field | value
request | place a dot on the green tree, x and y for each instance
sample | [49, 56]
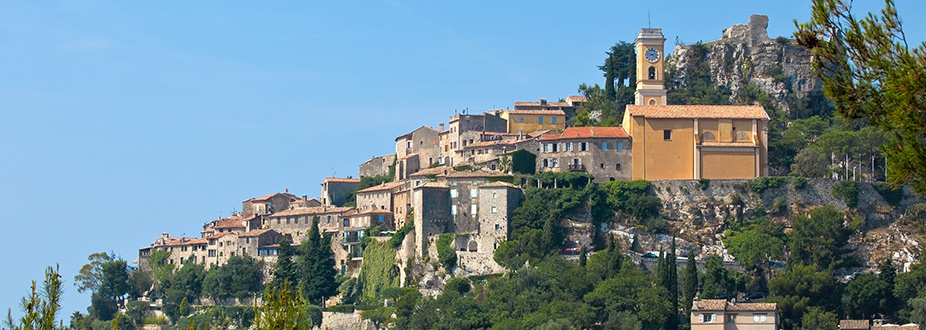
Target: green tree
[819, 239]
[445, 252]
[239, 277]
[633, 291]
[801, 287]
[40, 307]
[691, 281]
[286, 309]
[753, 248]
[90, 275]
[867, 295]
[811, 162]
[285, 268]
[818, 319]
[316, 265]
[870, 72]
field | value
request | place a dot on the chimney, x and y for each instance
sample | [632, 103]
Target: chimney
[543, 101]
[305, 197]
[441, 126]
[287, 190]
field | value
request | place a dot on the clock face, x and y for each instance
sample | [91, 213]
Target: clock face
[651, 55]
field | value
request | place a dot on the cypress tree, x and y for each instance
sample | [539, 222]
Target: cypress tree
[672, 273]
[285, 268]
[316, 266]
[691, 281]
[582, 258]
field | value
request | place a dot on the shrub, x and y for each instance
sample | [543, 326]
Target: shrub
[762, 184]
[346, 309]
[890, 194]
[799, 182]
[704, 183]
[459, 285]
[396, 240]
[445, 252]
[736, 199]
[847, 191]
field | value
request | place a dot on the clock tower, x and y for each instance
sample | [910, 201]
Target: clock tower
[651, 89]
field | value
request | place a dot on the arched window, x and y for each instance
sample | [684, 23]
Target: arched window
[652, 101]
[473, 246]
[708, 136]
[652, 73]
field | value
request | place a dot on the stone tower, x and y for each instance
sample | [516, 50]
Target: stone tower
[651, 88]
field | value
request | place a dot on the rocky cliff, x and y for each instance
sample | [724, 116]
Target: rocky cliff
[746, 63]
[698, 215]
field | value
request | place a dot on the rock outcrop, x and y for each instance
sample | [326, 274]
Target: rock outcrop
[745, 56]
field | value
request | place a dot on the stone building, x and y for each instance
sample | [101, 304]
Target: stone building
[378, 165]
[335, 190]
[378, 197]
[683, 142]
[466, 129]
[267, 204]
[604, 152]
[529, 121]
[423, 142]
[876, 324]
[720, 314]
[297, 223]
[182, 250]
[568, 107]
[431, 207]
[476, 248]
[464, 197]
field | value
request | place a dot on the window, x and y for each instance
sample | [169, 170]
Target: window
[494, 194]
[520, 119]
[381, 219]
[620, 146]
[666, 134]
[540, 120]
[602, 165]
[474, 192]
[495, 210]
[604, 146]
[472, 209]
[453, 210]
[454, 182]
[247, 240]
[618, 167]
[553, 119]
[453, 193]
[707, 318]
[652, 73]
[583, 146]
[759, 317]
[346, 222]
[569, 146]
[408, 144]
[329, 219]
[498, 227]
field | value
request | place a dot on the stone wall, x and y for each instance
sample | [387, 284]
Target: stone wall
[378, 165]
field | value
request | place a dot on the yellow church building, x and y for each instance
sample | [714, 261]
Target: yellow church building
[678, 142]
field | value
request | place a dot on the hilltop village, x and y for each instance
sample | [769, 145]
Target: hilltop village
[456, 178]
[464, 186]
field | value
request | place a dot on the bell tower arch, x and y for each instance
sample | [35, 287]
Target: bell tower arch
[651, 89]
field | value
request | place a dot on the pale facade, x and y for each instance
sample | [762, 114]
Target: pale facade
[423, 142]
[604, 152]
[529, 121]
[684, 142]
[719, 314]
[335, 190]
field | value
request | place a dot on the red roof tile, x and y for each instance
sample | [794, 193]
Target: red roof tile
[699, 111]
[536, 112]
[349, 180]
[382, 187]
[311, 210]
[589, 132]
[476, 174]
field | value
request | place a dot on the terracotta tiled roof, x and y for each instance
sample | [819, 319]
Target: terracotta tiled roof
[853, 324]
[259, 199]
[348, 180]
[538, 103]
[382, 187]
[220, 235]
[253, 233]
[232, 222]
[588, 132]
[433, 185]
[432, 171]
[536, 112]
[489, 143]
[409, 156]
[410, 133]
[576, 98]
[710, 304]
[723, 305]
[178, 241]
[311, 210]
[475, 174]
[497, 184]
[373, 211]
[699, 111]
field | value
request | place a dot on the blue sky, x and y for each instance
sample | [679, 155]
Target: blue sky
[122, 120]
